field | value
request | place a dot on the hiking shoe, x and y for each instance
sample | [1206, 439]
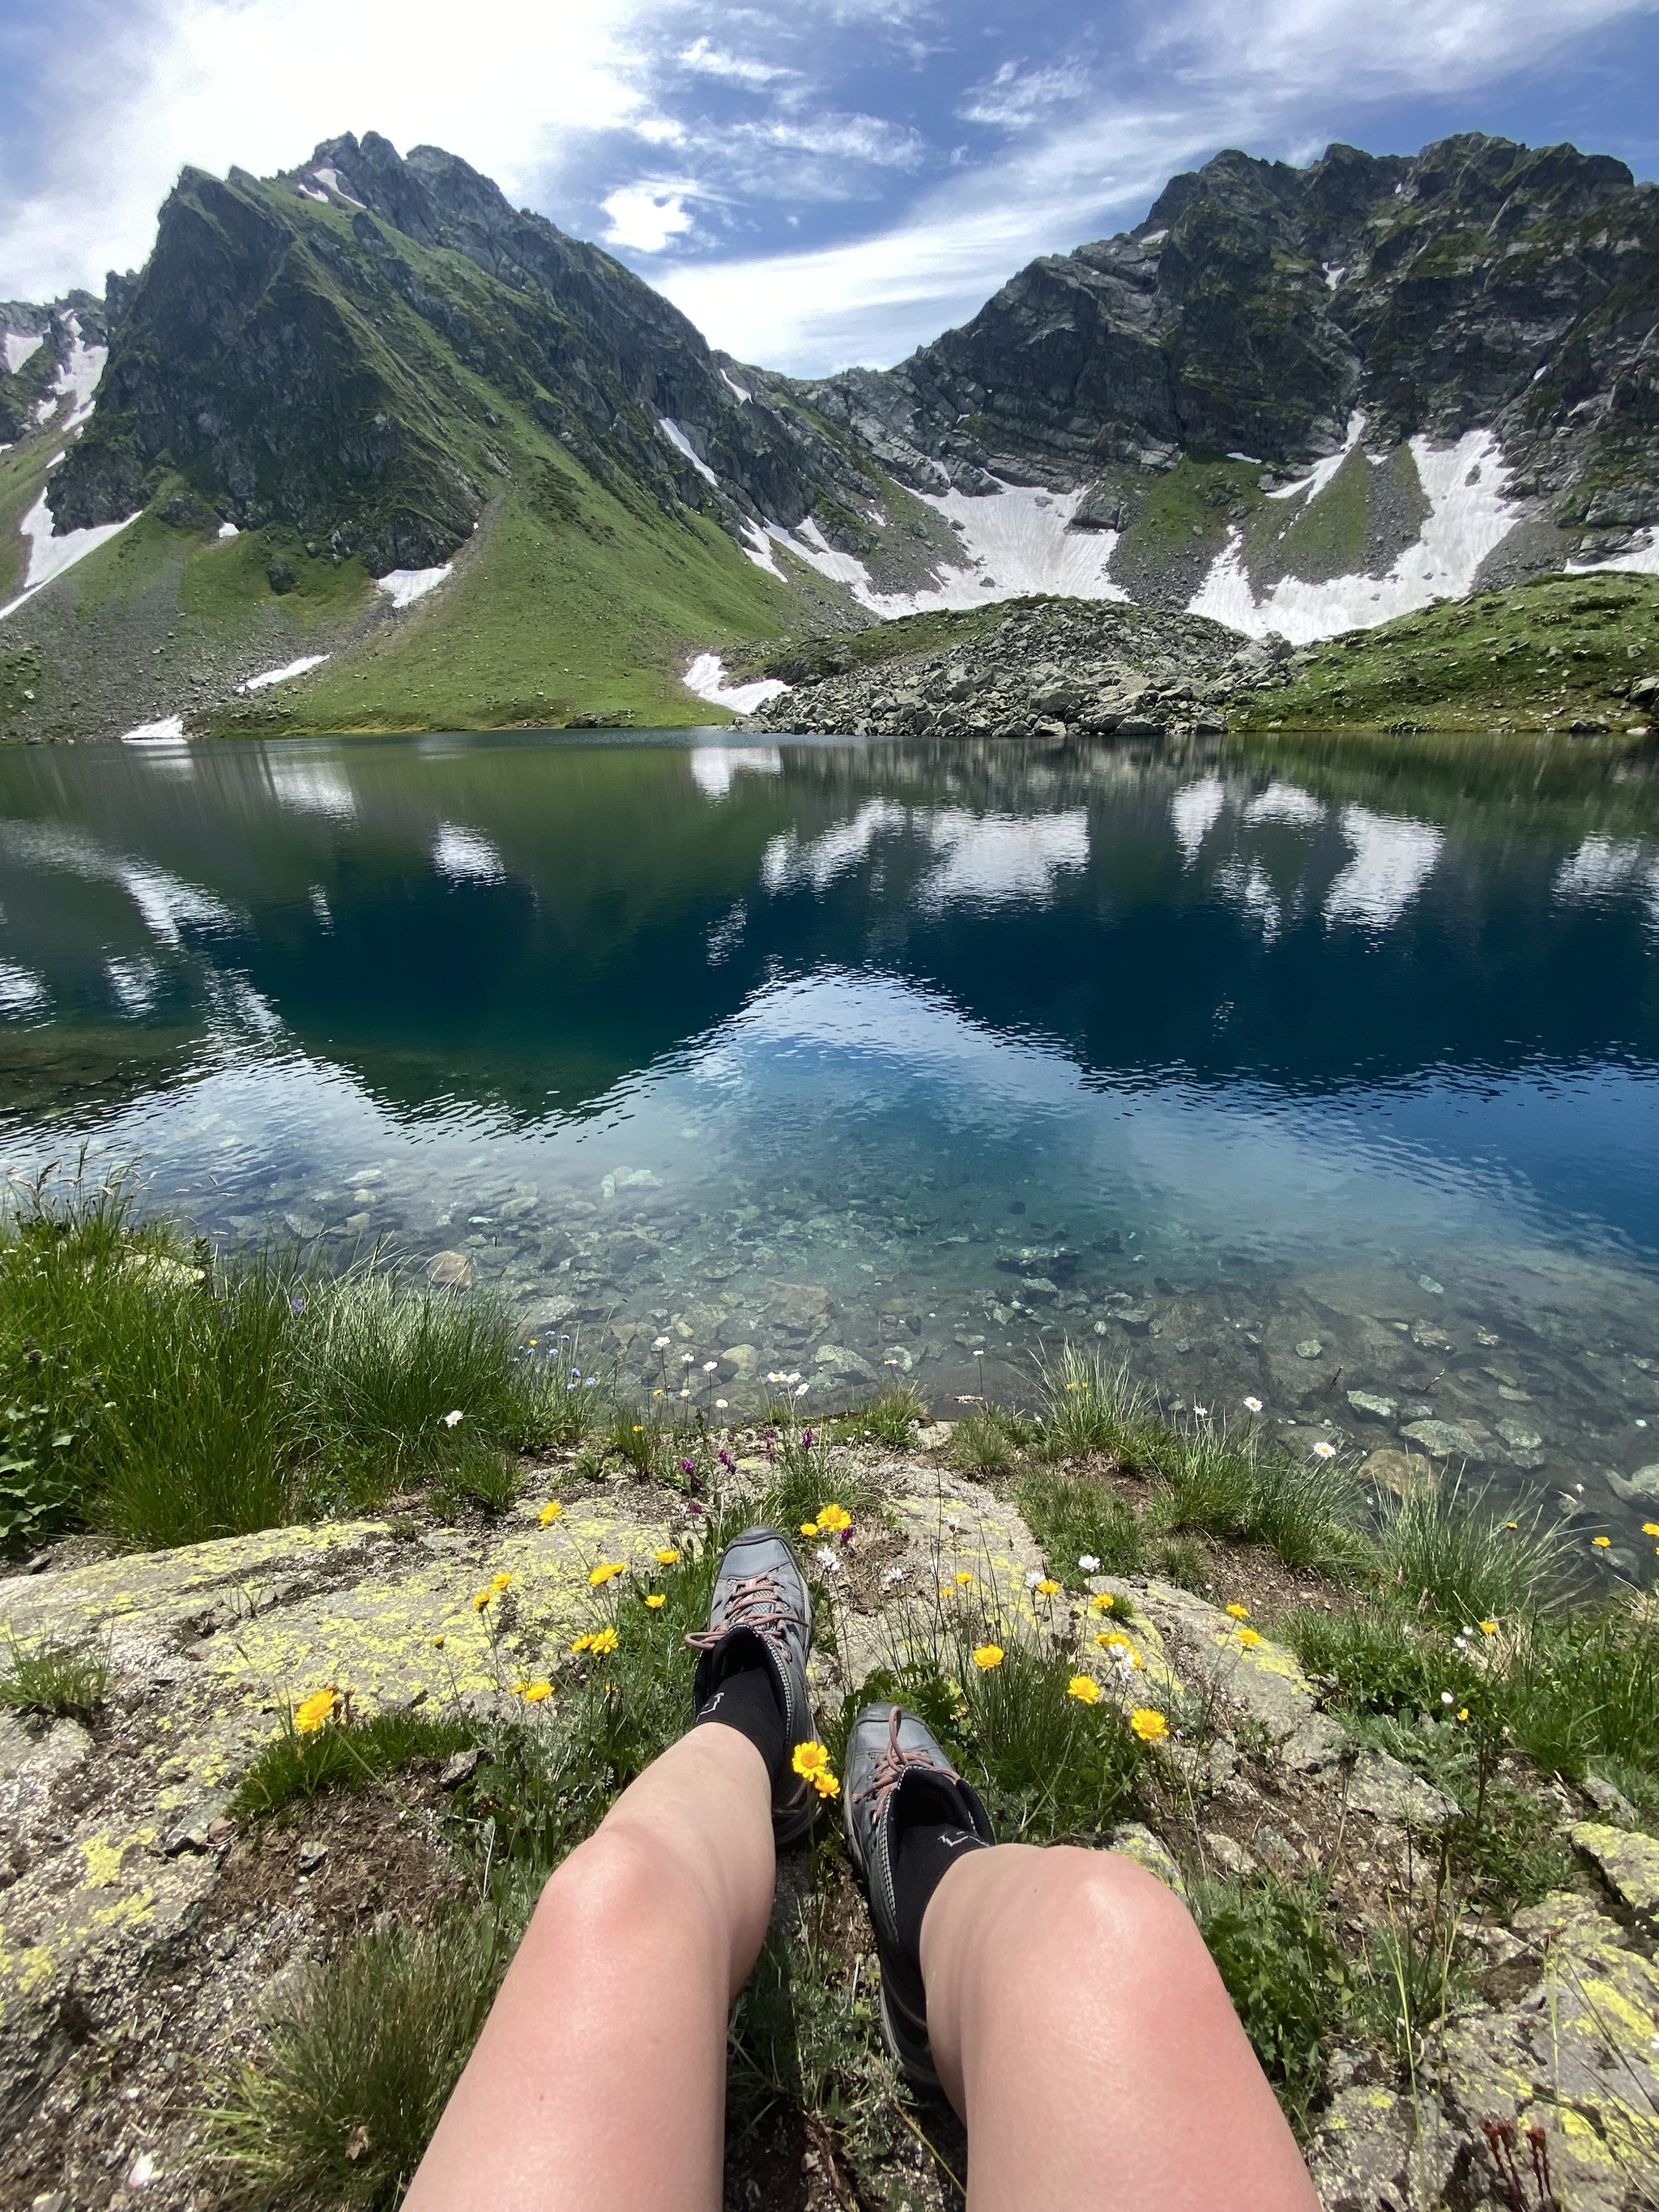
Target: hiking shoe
[893, 1760]
[761, 1603]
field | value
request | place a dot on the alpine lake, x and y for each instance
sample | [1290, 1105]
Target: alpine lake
[1318, 1077]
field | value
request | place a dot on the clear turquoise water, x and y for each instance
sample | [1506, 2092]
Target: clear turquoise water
[802, 1048]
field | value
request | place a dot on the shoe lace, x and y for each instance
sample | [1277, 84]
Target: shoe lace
[895, 1764]
[755, 1603]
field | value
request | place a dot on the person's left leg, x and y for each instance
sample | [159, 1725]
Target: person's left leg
[601, 2075]
[600, 2079]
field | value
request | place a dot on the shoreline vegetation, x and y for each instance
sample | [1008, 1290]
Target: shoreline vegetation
[1209, 1631]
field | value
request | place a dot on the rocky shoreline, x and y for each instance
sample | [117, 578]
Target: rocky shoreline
[1048, 669]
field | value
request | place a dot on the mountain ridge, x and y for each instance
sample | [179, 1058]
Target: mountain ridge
[1293, 400]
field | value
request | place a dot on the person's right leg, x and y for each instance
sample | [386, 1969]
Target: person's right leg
[1081, 2030]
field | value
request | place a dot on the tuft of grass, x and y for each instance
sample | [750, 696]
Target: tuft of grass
[1074, 1519]
[1283, 1972]
[293, 1769]
[1381, 1660]
[66, 1679]
[989, 1441]
[169, 1394]
[359, 2061]
[1446, 1552]
[1232, 1485]
[1583, 1692]
[1090, 1405]
[893, 1419]
[805, 1475]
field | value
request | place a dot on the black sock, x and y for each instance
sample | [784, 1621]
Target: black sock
[747, 1700]
[925, 1853]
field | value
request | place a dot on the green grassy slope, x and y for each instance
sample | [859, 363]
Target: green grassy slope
[544, 623]
[1542, 656]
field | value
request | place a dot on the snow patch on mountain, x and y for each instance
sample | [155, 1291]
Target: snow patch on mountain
[402, 586]
[1014, 542]
[169, 731]
[1322, 471]
[50, 557]
[678, 438]
[1641, 560]
[300, 667]
[77, 380]
[1468, 516]
[706, 679]
[19, 345]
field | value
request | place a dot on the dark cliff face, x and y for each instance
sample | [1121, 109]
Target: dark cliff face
[324, 354]
[1478, 282]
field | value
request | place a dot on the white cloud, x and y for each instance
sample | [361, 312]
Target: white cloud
[707, 59]
[1014, 99]
[521, 91]
[646, 218]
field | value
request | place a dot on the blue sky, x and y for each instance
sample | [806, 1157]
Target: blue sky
[814, 184]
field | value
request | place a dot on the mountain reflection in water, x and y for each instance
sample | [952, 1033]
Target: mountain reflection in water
[801, 1046]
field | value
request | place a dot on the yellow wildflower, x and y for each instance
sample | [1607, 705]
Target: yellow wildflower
[809, 1528]
[667, 1556]
[1462, 1712]
[483, 1599]
[606, 1640]
[1651, 1527]
[533, 1693]
[437, 1643]
[500, 1581]
[606, 1570]
[1047, 1587]
[826, 1784]
[988, 1656]
[1102, 1603]
[833, 1517]
[963, 1579]
[1249, 1637]
[1239, 1612]
[809, 1761]
[550, 1512]
[584, 1642]
[656, 1600]
[317, 1709]
[1085, 1689]
[1489, 1628]
[1600, 1542]
[1148, 1723]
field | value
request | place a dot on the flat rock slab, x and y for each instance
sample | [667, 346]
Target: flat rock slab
[1628, 1863]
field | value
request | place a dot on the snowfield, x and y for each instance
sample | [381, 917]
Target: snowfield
[402, 586]
[706, 679]
[1469, 516]
[1013, 542]
[300, 667]
[48, 555]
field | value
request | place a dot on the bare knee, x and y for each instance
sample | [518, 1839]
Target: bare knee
[621, 1883]
[1101, 1911]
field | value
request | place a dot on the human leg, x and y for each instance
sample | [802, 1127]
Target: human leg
[600, 2078]
[1079, 2026]
[601, 2075]
[1063, 1999]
